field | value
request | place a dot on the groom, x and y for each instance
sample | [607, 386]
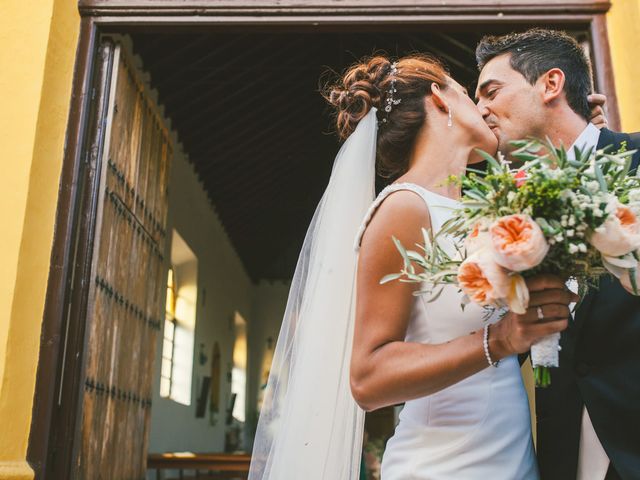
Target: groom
[588, 422]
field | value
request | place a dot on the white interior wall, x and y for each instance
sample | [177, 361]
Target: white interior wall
[223, 289]
[269, 303]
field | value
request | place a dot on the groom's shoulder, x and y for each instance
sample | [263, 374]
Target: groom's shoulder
[610, 137]
[628, 141]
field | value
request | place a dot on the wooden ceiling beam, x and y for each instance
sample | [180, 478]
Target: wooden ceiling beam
[176, 74]
[270, 109]
[170, 52]
[279, 144]
[271, 120]
[235, 100]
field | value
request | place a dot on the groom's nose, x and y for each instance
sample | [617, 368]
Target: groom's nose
[482, 107]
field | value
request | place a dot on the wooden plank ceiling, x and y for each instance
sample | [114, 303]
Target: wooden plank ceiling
[248, 111]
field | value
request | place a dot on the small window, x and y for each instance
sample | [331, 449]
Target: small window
[179, 326]
[169, 338]
[239, 372]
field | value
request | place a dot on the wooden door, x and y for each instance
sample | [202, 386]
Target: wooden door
[127, 278]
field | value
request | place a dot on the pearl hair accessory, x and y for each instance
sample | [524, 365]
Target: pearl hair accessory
[390, 101]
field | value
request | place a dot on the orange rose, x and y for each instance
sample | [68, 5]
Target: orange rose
[483, 280]
[518, 298]
[518, 242]
[619, 234]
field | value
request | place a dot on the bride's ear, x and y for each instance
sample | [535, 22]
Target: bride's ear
[437, 97]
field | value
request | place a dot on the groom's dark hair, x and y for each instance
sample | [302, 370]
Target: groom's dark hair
[537, 51]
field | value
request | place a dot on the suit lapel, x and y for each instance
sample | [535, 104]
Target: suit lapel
[582, 312]
[607, 137]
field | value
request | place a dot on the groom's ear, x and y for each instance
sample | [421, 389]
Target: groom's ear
[551, 84]
[438, 99]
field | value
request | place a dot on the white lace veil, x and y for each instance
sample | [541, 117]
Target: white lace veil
[310, 426]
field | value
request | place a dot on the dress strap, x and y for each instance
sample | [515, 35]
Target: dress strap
[388, 190]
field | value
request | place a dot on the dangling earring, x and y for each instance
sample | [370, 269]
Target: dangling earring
[450, 121]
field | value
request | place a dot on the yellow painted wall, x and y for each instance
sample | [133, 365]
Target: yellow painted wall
[623, 24]
[37, 53]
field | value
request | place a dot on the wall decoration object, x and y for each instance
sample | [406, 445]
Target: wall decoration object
[265, 369]
[214, 404]
[202, 356]
[201, 402]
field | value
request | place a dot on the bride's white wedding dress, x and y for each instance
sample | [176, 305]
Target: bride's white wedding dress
[478, 428]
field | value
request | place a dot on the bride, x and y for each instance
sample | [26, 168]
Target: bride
[349, 344]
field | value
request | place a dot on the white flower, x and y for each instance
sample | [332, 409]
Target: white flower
[573, 248]
[567, 194]
[570, 233]
[582, 247]
[634, 195]
[511, 196]
[593, 186]
[478, 237]
[612, 204]
[554, 174]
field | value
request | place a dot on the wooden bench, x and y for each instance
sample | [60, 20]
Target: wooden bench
[203, 466]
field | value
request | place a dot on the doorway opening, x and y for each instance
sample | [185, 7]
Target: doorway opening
[251, 152]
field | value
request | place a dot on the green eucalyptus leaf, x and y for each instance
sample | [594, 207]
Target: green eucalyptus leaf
[490, 160]
[436, 295]
[525, 156]
[477, 196]
[632, 278]
[389, 278]
[574, 163]
[415, 256]
[600, 178]
[402, 251]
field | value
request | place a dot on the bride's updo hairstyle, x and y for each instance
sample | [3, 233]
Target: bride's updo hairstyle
[369, 84]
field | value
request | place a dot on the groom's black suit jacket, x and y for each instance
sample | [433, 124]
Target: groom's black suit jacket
[600, 369]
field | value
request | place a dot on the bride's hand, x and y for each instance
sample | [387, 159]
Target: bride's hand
[516, 333]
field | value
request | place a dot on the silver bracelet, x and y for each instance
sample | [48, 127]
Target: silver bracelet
[485, 344]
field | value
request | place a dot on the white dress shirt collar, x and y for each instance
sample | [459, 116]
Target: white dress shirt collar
[588, 138]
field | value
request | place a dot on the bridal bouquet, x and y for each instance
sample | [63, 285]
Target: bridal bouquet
[577, 219]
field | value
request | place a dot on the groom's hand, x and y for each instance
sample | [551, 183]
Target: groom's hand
[548, 299]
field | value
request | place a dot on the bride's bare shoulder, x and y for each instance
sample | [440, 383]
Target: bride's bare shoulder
[402, 214]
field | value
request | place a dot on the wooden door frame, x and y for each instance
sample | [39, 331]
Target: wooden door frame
[99, 16]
